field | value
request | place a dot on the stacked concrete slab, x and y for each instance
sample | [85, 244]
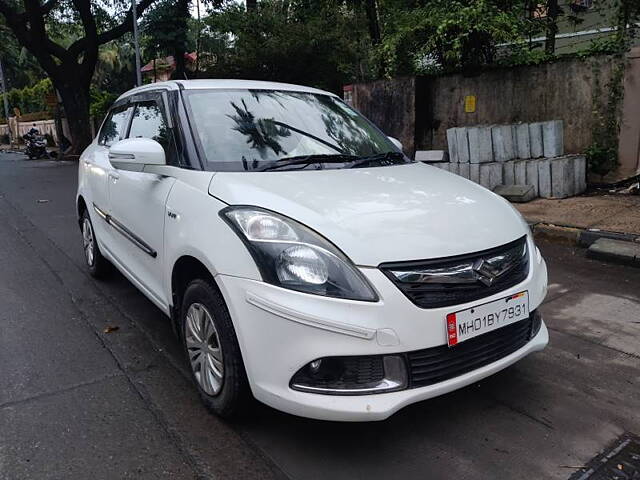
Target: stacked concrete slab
[518, 154]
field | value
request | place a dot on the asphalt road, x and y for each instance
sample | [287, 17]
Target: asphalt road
[76, 402]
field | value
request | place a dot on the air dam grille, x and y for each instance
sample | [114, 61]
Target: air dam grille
[449, 281]
[437, 364]
[377, 374]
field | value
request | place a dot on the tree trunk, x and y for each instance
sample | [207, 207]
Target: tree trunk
[373, 21]
[552, 27]
[69, 67]
[76, 99]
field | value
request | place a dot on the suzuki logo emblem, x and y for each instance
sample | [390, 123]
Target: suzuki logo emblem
[484, 272]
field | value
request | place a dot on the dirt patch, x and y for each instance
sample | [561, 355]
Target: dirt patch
[607, 212]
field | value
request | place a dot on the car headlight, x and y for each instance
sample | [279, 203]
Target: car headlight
[291, 255]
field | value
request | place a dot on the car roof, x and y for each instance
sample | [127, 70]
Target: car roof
[221, 84]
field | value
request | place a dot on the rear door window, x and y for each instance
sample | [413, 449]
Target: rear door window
[149, 121]
[115, 126]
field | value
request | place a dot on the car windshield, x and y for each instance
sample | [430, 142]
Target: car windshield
[248, 130]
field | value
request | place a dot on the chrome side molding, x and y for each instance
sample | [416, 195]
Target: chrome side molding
[125, 232]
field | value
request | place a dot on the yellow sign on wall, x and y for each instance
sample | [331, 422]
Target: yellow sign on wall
[470, 104]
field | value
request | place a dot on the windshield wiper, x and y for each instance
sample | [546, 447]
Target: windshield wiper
[383, 159]
[310, 159]
[306, 134]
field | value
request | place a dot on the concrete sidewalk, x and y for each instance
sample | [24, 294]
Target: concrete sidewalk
[614, 213]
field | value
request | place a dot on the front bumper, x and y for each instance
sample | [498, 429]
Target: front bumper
[280, 330]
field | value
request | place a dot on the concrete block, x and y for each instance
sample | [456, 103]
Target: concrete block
[454, 168]
[626, 253]
[490, 175]
[580, 170]
[532, 175]
[516, 193]
[502, 138]
[523, 144]
[452, 144]
[552, 138]
[588, 237]
[508, 173]
[431, 156]
[520, 172]
[464, 170]
[474, 172]
[443, 166]
[544, 178]
[535, 140]
[462, 141]
[563, 177]
[480, 144]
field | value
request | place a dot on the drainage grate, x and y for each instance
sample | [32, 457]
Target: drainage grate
[621, 462]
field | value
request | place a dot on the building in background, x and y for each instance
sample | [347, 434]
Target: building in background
[579, 23]
[161, 69]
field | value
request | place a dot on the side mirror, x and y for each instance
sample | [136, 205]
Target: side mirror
[397, 143]
[134, 153]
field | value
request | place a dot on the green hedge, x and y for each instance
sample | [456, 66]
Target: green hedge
[29, 99]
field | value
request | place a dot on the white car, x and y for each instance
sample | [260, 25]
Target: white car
[302, 257]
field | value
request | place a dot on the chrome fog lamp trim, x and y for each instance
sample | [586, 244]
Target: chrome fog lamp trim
[395, 378]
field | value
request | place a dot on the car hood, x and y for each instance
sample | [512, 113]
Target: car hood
[383, 214]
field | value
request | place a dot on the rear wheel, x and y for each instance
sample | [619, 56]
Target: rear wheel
[97, 265]
[212, 349]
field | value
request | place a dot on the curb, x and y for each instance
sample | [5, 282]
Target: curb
[581, 237]
[612, 247]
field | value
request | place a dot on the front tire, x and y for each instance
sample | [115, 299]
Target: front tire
[97, 265]
[212, 349]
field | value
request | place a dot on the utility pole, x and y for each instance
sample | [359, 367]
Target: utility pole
[6, 101]
[136, 43]
[198, 39]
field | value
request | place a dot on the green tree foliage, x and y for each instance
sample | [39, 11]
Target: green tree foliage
[447, 34]
[65, 38]
[101, 101]
[29, 99]
[20, 67]
[313, 43]
[166, 31]
[115, 68]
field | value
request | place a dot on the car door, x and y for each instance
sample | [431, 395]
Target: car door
[97, 168]
[137, 202]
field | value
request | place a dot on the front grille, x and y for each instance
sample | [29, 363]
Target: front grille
[437, 364]
[455, 280]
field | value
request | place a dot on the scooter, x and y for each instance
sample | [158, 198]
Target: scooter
[36, 146]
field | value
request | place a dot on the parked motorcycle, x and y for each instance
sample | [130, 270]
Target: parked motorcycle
[36, 144]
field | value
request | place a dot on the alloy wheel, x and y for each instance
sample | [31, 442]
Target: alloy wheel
[204, 349]
[88, 242]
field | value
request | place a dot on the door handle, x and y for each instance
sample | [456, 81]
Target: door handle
[114, 175]
[87, 163]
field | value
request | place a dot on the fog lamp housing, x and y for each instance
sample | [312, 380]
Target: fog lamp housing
[356, 375]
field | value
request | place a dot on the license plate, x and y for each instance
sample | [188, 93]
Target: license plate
[480, 319]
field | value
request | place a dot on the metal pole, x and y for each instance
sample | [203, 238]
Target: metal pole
[6, 101]
[136, 43]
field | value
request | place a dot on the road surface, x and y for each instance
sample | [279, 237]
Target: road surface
[76, 402]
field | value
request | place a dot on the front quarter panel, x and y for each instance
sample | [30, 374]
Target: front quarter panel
[194, 227]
